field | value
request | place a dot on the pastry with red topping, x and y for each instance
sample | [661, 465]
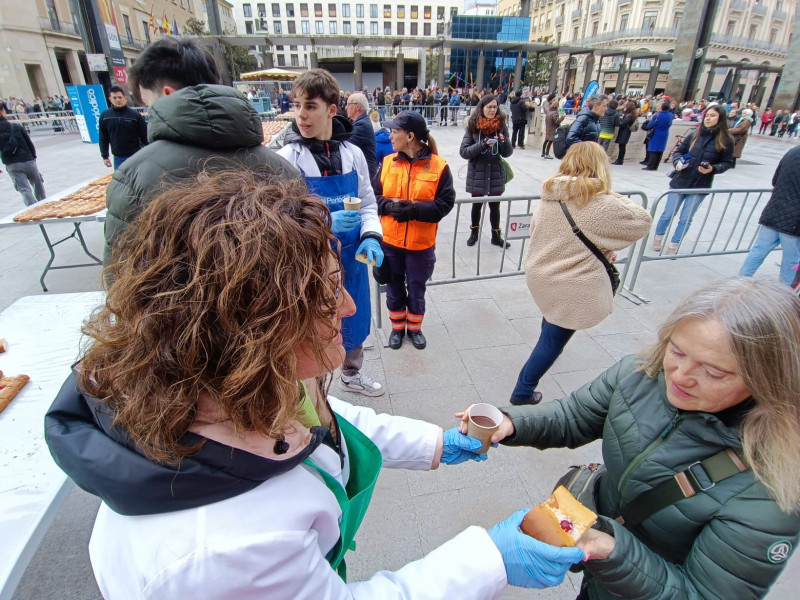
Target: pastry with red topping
[559, 521]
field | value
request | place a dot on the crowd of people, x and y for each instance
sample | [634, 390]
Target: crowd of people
[237, 284]
[18, 106]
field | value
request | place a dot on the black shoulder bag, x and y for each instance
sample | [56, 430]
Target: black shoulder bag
[613, 273]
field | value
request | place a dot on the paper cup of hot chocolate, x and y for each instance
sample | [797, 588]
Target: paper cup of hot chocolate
[484, 420]
[351, 203]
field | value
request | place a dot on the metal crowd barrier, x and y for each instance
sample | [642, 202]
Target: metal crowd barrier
[728, 224]
[517, 211]
[433, 113]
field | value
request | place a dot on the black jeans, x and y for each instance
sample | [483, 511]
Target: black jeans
[518, 133]
[621, 153]
[654, 159]
[546, 148]
[494, 213]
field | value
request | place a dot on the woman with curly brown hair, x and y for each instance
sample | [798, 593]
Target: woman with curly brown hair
[485, 142]
[222, 475]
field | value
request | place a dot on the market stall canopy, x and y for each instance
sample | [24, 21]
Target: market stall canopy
[270, 74]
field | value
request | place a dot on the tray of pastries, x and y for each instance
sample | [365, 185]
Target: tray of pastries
[87, 200]
[271, 129]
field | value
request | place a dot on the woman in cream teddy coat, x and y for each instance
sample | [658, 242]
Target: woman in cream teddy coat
[568, 283]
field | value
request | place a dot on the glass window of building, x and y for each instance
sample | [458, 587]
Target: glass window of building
[261, 25]
[333, 27]
[414, 12]
[772, 35]
[387, 11]
[276, 10]
[304, 27]
[649, 21]
[426, 29]
[623, 22]
[277, 27]
[281, 60]
[295, 60]
[320, 26]
[401, 28]
[247, 10]
[293, 48]
[373, 11]
[440, 28]
[426, 12]
[290, 10]
[440, 13]
[279, 48]
[387, 28]
[318, 11]
[575, 34]
[676, 20]
[401, 12]
[414, 29]
[345, 10]
[126, 20]
[360, 28]
[753, 32]
[248, 27]
[262, 10]
[373, 28]
[360, 10]
[292, 28]
[730, 28]
[332, 10]
[346, 28]
[304, 10]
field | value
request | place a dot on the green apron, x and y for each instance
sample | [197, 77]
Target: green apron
[365, 463]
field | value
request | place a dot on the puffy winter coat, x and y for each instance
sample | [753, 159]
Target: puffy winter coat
[624, 133]
[485, 176]
[586, 128]
[609, 122]
[719, 544]
[782, 212]
[660, 125]
[185, 129]
[519, 109]
[383, 145]
[551, 123]
[568, 283]
[704, 150]
[15, 143]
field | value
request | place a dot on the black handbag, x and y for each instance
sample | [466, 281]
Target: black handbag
[611, 270]
[382, 274]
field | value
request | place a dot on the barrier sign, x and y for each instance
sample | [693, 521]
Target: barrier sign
[519, 227]
[88, 102]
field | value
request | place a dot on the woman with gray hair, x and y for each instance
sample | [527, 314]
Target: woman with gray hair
[701, 442]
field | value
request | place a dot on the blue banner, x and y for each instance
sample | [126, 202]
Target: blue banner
[590, 91]
[88, 103]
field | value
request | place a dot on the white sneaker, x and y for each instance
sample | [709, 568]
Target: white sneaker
[658, 242]
[672, 248]
[361, 383]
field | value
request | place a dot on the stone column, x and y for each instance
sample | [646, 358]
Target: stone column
[440, 75]
[422, 74]
[652, 79]
[269, 59]
[75, 71]
[553, 83]
[357, 72]
[479, 73]
[313, 59]
[621, 78]
[712, 73]
[400, 71]
[789, 88]
[761, 88]
[694, 33]
[588, 69]
[737, 78]
[774, 94]
[517, 73]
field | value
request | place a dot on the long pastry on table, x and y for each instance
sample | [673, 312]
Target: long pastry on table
[10, 387]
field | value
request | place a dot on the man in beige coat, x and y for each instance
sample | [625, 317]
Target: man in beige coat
[567, 281]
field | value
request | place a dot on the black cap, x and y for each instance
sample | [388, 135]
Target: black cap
[518, 93]
[412, 121]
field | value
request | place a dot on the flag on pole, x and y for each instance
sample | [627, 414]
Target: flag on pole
[153, 25]
[175, 27]
[165, 25]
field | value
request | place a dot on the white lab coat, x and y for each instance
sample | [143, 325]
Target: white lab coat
[352, 160]
[270, 543]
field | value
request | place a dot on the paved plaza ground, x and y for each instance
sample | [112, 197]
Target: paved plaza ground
[479, 334]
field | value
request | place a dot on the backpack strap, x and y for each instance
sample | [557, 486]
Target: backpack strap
[699, 476]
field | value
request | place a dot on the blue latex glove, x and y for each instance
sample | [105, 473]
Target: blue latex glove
[343, 221]
[372, 250]
[529, 562]
[458, 448]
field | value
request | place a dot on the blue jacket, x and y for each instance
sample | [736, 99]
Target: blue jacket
[455, 100]
[586, 127]
[383, 145]
[364, 137]
[660, 125]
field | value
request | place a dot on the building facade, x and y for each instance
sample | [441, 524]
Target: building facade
[748, 31]
[42, 49]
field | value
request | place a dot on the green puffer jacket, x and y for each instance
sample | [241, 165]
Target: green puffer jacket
[185, 129]
[731, 541]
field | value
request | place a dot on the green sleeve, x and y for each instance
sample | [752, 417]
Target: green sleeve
[572, 421]
[734, 556]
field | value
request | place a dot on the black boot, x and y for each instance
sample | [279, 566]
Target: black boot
[498, 240]
[396, 338]
[473, 235]
[417, 339]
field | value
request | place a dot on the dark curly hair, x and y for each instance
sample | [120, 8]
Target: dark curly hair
[216, 285]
